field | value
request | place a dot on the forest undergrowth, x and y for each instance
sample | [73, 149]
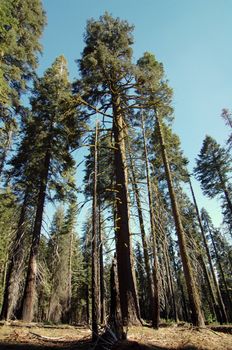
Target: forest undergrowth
[21, 336]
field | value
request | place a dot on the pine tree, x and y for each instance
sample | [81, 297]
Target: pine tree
[213, 170]
[22, 176]
[106, 74]
[21, 26]
[155, 92]
[56, 136]
[95, 256]
[9, 213]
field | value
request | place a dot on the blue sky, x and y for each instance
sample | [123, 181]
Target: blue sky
[192, 38]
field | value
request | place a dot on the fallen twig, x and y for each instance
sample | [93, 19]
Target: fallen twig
[43, 337]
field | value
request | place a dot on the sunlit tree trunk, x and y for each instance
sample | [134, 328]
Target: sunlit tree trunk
[30, 286]
[95, 284]
[193, 294]
[126, 275]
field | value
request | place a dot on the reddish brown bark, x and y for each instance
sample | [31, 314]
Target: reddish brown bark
[128, 296]
[30, 286]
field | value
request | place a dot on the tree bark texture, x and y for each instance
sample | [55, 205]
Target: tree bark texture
[126, 275]
[30, 286]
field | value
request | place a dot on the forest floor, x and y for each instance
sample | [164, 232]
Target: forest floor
[18, 336]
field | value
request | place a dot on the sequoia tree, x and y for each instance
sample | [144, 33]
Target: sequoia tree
[106, 71]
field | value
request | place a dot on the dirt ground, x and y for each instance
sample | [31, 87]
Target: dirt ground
[38, 337]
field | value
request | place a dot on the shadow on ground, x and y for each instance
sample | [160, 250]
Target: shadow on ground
[82, 345]
[87, 345]
[131, 345]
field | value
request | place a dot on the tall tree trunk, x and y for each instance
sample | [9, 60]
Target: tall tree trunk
[143, 236]
[69, 289]
[193, 294]
[95, 263]
[115, 317]
[156, 309]
[126, 275]
[30, 286]
[219, 306]
[14, 269]
[101, 271]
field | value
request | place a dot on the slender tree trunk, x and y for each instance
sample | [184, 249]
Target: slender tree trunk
[193, 294]
[30, 287]
[15, 266]
[69, 289]
[156, 309]
[101, 271]
[126, 276]
[219, 308]
[95, 263]
[143, 236]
